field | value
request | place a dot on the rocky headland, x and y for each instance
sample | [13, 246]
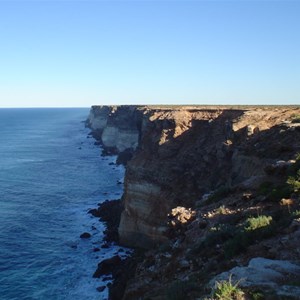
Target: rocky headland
[212, 196]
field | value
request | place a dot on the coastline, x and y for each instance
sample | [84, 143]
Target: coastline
[122, 269]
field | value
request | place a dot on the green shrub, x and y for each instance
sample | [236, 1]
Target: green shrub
[227, 290]
[219, 235]
[290, 184]
[294, 168]
[294, 182]
[296, 214]
[221, 210]
[257, 295]
[253, 229]
[296, 119]
[258, 222]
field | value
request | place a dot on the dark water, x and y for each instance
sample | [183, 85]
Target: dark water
[50, 175]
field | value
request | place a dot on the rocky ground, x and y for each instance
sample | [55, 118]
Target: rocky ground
[219, 236]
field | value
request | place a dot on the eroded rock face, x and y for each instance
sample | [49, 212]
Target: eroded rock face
[168, 169]
[121, 139]
[116, 126]
[142, 215]
[98, 117]
[182, 153]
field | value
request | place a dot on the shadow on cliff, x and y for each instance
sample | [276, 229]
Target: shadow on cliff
[199, 159]
[193, 162]
[183, 156]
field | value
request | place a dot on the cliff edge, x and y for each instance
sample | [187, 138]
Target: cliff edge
[182, 153]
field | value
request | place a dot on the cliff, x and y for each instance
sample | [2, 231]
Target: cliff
[183, 153]
[117, 127]
[198, 179]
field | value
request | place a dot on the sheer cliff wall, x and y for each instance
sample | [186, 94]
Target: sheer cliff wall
[181, 153]
[117, 127]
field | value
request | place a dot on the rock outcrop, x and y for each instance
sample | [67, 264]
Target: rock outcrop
[268, 274]
[261, 272]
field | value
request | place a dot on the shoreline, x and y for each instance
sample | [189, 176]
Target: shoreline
[109, 213]
[121, 269]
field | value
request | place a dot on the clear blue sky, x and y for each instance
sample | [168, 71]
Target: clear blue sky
[79, 53]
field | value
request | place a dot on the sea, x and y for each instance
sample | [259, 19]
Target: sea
[51, 174]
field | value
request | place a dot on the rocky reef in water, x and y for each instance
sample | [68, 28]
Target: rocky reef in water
[207, 190]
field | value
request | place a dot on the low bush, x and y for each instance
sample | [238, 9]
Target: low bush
[257, 295]
[227, 290]
[255, 228]
[221, 210]
[218, 235]
[258, 222]
[295, 119]
[294, 182]
[296, 214]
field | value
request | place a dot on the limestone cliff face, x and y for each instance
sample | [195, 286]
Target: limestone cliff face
[187, 152]
[184, 152]
[116, 126]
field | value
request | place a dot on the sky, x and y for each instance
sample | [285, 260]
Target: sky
[81, 53]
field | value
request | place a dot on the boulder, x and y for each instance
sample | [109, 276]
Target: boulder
[124, 157]
[95, 212]
[101, 288]
[85, 235]
[252, 129]
[264, 273]
[108, 266]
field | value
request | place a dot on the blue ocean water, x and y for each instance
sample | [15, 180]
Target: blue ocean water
[51, 174]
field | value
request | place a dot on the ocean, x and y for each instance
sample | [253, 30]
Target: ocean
[51, 174]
